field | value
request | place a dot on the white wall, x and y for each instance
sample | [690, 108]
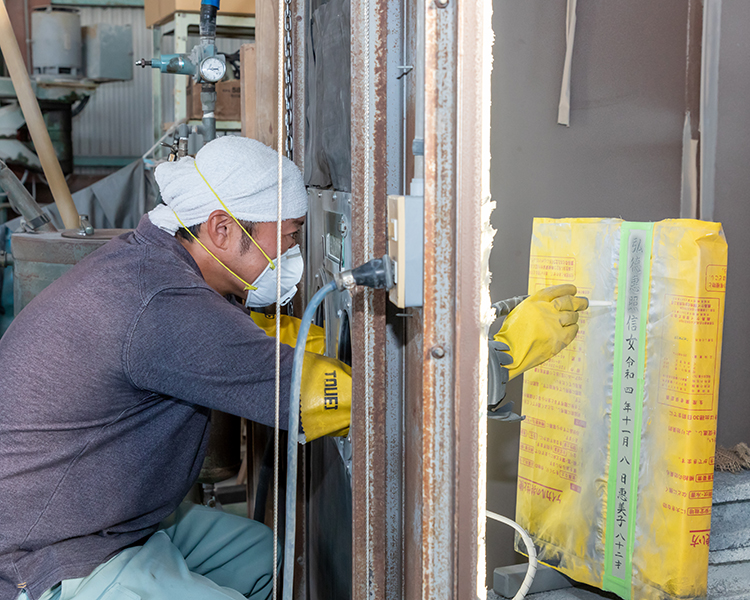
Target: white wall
[732, 193]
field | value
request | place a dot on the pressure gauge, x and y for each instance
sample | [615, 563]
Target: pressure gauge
[212, 69]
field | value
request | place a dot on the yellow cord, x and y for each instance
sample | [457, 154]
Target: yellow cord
[229, 212]
[247, 285]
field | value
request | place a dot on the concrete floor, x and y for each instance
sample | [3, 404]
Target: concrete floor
[725, 582]
[566, 594]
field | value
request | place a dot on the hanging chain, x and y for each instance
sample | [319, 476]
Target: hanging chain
[288, 78]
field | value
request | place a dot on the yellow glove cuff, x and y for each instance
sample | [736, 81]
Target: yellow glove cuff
[316, 338]
[326, 397]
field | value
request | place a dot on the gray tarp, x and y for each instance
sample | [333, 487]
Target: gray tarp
[328, 96]
[117, 201]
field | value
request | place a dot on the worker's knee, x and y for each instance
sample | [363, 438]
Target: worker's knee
[258, 578]
[232, 551]
[257, 537]
[263, 546]
[262, 538]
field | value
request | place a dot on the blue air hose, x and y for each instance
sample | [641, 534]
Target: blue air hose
[376, 273]
[294, 415]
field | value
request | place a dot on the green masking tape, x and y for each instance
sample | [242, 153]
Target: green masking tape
[634, 272]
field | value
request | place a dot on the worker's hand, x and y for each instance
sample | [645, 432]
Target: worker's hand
[326, 397]
[326, 394]
[316, 338]
[541, 326]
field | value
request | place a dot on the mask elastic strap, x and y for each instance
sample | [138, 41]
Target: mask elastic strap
[273, 266]
[247, 285]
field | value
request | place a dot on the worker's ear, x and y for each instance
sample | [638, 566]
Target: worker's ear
[218, 229]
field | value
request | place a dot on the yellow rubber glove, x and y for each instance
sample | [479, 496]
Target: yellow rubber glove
[541, 326]
[316, 337]
[326, 396]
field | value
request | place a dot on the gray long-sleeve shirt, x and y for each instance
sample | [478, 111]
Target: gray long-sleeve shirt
[107, 379]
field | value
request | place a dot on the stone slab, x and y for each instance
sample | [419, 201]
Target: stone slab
[730, 525]
[508, 580]
[730, 555]
[731, 487]
[566, 594]
[729, 582]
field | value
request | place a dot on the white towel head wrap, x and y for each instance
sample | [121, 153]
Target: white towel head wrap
[242, 172]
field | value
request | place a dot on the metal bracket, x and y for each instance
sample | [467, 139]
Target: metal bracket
[38, 221]
[6, 259]
[497, 373]
[344, 280]
[505, 413]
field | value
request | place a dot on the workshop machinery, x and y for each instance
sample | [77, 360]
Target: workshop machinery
[69, 63]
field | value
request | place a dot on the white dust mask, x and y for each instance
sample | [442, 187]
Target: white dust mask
[263, 291]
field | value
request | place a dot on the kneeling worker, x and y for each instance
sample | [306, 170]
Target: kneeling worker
[108, 379]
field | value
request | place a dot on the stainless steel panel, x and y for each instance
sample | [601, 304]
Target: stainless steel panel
[117, 119]
[108, 52]
[328, 464]
[733, 210]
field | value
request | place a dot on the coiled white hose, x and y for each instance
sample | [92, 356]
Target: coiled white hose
[530, 548]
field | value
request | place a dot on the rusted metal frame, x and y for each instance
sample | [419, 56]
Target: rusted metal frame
[299, 31]
[299, 20]
[473, 308]
[439, 449]
[413, 416]
[368, 130]
[299, 13]
[394, 455]
[413, 457]
[392, 486]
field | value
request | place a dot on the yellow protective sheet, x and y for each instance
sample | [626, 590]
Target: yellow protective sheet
[616, 453]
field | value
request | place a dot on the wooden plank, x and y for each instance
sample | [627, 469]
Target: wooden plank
[266, 59]
[247, 83]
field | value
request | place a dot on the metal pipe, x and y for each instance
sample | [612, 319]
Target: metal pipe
[208, 90]
[35, 121]
[208, 104]
[169, 132]
[27, 35]
[22, 202]
[208, 23]
[6, 259]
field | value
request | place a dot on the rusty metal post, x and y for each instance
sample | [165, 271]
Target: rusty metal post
[439, 350]
[446, 364]
[373, 552]
[444, 367]
[299, 18]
